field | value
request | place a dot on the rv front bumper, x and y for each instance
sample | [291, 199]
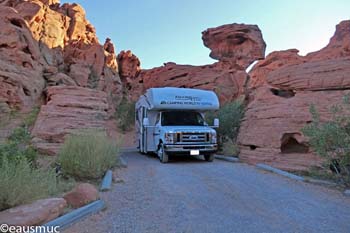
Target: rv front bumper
[208, 148]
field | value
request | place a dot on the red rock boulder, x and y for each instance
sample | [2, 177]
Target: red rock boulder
[129, 64]
[81, 195]
[34, 214]
[237, 43]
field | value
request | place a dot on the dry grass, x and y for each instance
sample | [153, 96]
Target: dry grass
[20, 183]
[88, 155]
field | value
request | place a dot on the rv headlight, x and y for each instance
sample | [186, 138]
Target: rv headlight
[213, 137]
[169, 137]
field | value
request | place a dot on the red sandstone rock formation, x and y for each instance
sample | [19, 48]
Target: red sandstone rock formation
[339, 44]
[129, 65]
[319, 75]
[287, 84]
[68, 42]
[68, 109]
[273, 61]
[225, 80]
[236, 46]
[81, 195]
[45, 44]
[34, 214]
[21, 81]
[236, 43]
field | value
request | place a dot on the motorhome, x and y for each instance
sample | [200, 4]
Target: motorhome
[170, 121]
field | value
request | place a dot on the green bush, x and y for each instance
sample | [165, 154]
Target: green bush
[87, 155]
[18, 147]
[20, 135]
[30, 118]
[125, 115]
[20, 183]
[331, 139]
[229, 148]
[230, 116]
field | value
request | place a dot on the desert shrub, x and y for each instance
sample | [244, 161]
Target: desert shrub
[21, 183]
[125, 115]
[87, 155]
[331, 139]
[18, 146]
[20, 135]
[229, 148]
[30, 118]
[230, 116]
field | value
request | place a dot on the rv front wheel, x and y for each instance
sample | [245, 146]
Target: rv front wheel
[163, 156]
[209, 157]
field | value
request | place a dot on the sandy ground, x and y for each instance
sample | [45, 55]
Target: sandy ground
[191, 195]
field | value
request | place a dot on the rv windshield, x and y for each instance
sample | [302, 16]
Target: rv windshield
[173, 118]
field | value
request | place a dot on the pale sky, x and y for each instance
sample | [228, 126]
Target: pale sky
[159, 31]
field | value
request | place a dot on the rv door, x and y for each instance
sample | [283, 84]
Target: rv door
[143, 131]
[153, 131]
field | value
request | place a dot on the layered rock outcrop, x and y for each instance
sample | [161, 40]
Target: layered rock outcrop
[21, 63]
[46, 44]
[63, 42]
[273, 61]
[286, 85]
[236, 46]
[68, 110]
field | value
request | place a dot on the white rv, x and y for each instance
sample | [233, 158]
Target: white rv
[171, 121]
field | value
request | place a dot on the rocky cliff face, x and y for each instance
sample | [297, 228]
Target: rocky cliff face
[286, 85]
[51, 50]
[21, 63]
[236, 46]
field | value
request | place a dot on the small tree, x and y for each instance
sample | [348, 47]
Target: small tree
[230, 116]
[125, 115]
[331, 139]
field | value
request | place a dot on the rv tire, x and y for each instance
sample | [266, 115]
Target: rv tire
[209, 157]
[163, 156]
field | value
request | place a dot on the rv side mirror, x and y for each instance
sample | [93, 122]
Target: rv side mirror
[145, 122]
[216, 122]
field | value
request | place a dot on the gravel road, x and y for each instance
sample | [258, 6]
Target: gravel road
[191, 195]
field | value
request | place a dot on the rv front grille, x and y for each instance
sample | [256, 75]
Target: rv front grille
[194, 137]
